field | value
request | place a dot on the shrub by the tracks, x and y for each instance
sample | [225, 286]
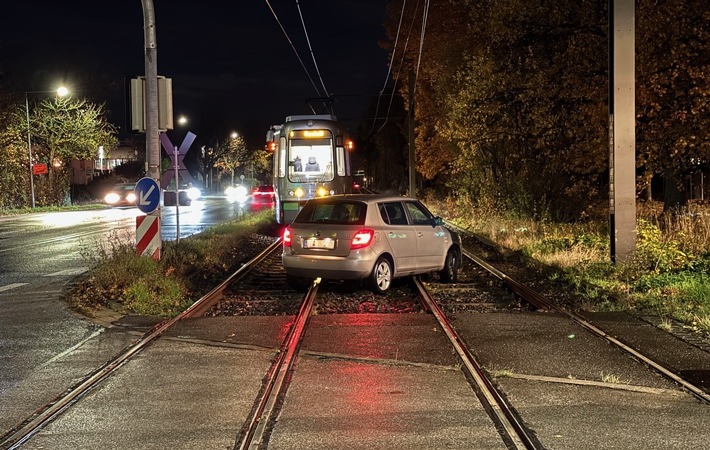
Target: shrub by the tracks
[128, 283]
[667, 276]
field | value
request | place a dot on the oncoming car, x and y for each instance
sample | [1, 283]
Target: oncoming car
[121, 195]
[368, 237]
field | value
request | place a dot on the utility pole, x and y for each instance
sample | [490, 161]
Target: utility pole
[412, 153]
[152, 143]
[622, 130]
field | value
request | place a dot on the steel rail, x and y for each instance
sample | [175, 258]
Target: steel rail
[541, 302]
[495, 401]
[255, 429]
[16, 437]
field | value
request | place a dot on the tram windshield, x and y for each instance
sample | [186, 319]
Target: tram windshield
[310, 159]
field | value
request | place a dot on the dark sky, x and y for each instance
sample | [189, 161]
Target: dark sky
[232, 66]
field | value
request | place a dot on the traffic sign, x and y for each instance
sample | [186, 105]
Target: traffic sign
[176, 157]
[148, 240]
[39, 169]
[147, 195]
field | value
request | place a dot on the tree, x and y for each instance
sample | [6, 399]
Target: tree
[63, 130]
[673, 105]
[14, 170]
[233, 157]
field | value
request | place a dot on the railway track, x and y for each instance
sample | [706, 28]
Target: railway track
[260, 288]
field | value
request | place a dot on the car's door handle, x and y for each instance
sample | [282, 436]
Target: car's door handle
[420, 234]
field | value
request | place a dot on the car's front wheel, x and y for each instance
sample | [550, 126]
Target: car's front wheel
[381, 276]
[450, 272]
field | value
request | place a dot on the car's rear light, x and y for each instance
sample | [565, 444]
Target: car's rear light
[362, 239]
[287, 237]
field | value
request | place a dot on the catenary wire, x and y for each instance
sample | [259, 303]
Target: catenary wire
[293, 47]
[310, 48]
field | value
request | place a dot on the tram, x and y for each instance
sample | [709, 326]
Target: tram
[311, 159]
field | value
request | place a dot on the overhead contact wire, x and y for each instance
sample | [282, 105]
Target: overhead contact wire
[293, 47]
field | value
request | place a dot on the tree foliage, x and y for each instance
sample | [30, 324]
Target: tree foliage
[60, 130]
[511, 97]
[233, 156]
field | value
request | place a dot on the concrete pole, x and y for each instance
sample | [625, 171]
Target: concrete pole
[622, 130]
[412, 153]
[152, 138]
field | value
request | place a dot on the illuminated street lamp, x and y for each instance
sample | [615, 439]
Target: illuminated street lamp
[182, 120]
[61, 92]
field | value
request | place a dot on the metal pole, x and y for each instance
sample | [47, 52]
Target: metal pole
[152, 143]
[177, 194]
[29, 150]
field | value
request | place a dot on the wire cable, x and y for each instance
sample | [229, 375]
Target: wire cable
[389, 66]
[305, 32]
[401, 64]
[293, 47]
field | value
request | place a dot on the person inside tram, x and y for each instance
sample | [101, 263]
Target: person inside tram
[297, 166]
[312, 165]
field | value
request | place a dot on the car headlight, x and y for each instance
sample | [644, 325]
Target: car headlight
[131, 197]
[238, 193]
[111, 197]
[193, 193]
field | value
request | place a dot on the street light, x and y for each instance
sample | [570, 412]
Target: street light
[61, 92]
[182, 120]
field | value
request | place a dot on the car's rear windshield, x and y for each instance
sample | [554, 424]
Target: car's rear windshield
[339, 213]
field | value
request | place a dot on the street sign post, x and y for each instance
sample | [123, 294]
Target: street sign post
[147, 195]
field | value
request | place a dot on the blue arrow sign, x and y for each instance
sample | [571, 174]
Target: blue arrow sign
[147, 195]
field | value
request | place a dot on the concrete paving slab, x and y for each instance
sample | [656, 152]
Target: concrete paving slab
[174, 395]
[550, 345]
[335, 404]
[588, 417]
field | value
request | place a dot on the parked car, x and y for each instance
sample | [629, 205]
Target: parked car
[368, 237]
[122, 194]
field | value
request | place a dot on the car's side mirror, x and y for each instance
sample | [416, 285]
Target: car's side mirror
[437, 221]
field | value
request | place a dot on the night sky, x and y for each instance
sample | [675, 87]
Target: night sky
[231, 64]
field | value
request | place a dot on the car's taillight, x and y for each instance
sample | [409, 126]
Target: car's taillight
[362, 239]
[287, 237]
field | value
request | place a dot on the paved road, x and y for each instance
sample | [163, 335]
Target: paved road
[40, 254]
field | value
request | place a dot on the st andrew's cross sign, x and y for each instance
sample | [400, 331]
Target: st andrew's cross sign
[182, 151]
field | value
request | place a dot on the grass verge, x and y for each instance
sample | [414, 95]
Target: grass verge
[667, 275]
[127, 283]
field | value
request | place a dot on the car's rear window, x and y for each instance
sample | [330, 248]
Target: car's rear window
[340, 213]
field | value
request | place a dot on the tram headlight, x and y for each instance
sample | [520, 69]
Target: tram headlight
[322, 192]
[299, 192]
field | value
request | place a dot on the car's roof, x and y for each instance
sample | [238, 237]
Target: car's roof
[366, 198]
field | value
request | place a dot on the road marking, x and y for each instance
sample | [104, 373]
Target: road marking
[72, 348]
[70, 272]
[11, 286]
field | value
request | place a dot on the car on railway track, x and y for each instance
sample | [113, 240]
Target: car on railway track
[368, 237]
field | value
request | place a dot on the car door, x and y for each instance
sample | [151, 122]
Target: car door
[432, 241]
[400, 236]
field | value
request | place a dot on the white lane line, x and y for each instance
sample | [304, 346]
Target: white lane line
[72, 348]
[11, 286]
[70, 272]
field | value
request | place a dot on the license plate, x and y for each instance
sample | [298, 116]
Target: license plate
[319, 243]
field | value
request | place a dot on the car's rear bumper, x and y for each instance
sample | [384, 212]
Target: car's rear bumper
[327, 267]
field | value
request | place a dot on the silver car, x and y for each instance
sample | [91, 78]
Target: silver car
[368, 237]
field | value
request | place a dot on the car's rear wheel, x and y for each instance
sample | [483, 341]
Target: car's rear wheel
[381, 276]
[450, 272]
